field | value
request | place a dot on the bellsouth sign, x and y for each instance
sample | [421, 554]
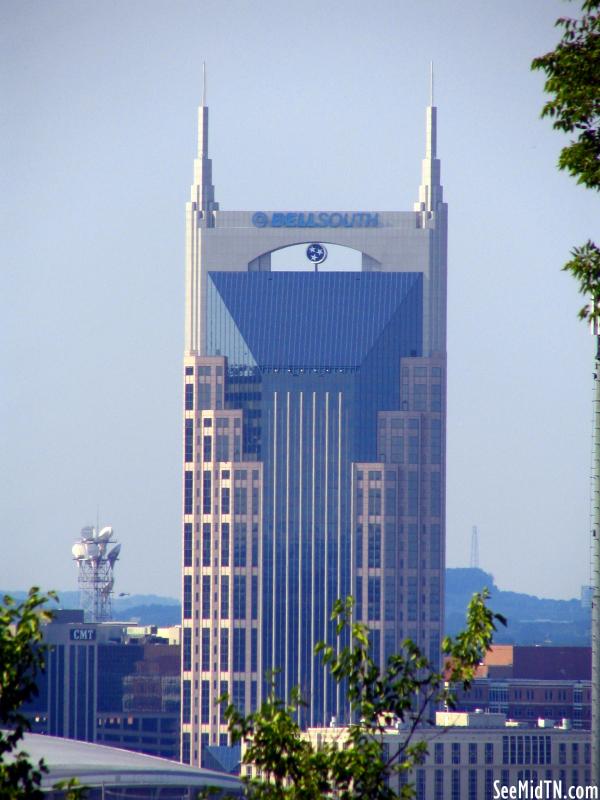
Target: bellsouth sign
[316, 219]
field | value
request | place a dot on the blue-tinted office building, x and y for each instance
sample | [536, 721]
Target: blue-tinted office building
[314, 446]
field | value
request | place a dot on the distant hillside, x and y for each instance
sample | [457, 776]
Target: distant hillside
[531, 619]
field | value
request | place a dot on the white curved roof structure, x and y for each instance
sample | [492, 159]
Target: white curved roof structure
[100, 767]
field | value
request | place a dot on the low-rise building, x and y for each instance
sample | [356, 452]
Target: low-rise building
[473, 756]
[109, 682]
[527, 682]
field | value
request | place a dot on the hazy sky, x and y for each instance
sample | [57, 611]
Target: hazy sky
[312, 105]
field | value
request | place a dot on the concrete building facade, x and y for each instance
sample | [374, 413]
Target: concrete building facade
[484, 757]
[314, 444]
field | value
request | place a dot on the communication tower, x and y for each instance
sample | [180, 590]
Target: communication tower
[474, 548]
[95, 564]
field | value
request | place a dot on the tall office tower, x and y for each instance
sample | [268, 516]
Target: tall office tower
[314, 445]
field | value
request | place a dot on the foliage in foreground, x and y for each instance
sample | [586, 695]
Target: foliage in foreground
[573, 83]
[22, 658]
[401, 694]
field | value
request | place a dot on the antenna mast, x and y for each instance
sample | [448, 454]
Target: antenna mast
[95, 565]
[474, 548]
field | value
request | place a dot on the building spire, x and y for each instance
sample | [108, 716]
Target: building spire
[203, 191]
[430, 190]
[431, 83]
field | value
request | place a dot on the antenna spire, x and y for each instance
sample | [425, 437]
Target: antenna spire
[203, 191]
[431, 83]
[430, 190]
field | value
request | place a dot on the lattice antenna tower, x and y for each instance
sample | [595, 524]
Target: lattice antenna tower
[95, 567]
[474, 548]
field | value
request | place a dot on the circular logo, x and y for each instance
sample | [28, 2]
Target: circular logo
[316, 253]
[260, 219]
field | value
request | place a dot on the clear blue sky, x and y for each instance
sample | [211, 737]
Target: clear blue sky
[312, 105]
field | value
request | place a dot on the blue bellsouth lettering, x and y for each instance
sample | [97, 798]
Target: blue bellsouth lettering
[316, 219]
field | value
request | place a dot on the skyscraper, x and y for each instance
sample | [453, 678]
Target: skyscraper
[314, 444]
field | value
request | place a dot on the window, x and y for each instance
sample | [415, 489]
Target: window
[254, 598]
[239, 545]
[374, 502]
[413, 493]
[455, 783]
[187, 544]
[222, 447]
[239, 596]
[186, 701]
[359, 545]
[207, 448]
[203, 396]
[562, 753]
[206, 544]
[456, 752]
[187, 596]
[436, 442]
[225, 500]
[225, 597]
[436, 494]
[187, 648]
[206, 597]
[439, 785]
[420, 784]
[374, 545]
[224, 661]
[205, 703]
[206, 492]
[472, 752]
[186, 750]
[472, 784]
[189, 440]
[225, 544]
[188, 494]
[205, 649]
[439, 753]
[240, 500]
[255, 545]
[420, 397]
[413, 449]
[374, 598]
[239, 650]
[489, 752]
[489, 783]
[358, 596]
[253, 653]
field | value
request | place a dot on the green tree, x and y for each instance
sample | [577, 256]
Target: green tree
[404, 691]
[573, 82]
[22, 658]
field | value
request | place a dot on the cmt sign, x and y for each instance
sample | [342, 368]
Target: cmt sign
[82, 634]
[316, 219]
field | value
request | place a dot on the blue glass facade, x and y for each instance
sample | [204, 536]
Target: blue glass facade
[311, 360]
